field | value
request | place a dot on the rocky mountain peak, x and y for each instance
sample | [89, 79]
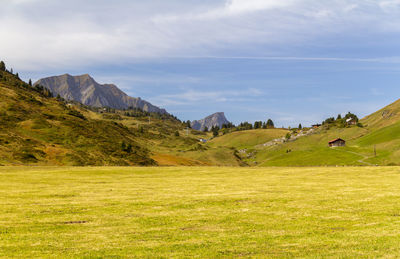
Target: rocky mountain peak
[216, 119]
[84, 89]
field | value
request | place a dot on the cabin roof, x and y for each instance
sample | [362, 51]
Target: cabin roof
[336, 140]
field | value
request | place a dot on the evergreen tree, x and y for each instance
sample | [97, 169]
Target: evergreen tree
[2, 66]
[270, 124]
[30, 82]
[257, 124]
[216, 132]
[300, 127]
[129, 148]
[339, 117]
[264, 125]
[205, 129]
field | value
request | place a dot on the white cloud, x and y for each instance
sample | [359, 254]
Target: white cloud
[190, 97]
[37, 34]
[244, 6]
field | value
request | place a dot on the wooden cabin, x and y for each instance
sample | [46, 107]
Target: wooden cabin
[316, 126]
[351, 121]
[337, 143]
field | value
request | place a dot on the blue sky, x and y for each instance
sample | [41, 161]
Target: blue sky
[295, 61]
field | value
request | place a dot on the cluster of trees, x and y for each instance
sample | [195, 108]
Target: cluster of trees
[41, 89]
[342, 121]
[264, 125]
[215, 130]
[137, 112]
[269, 124]
[230, 127]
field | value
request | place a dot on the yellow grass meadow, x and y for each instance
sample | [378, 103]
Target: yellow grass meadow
[203, 212]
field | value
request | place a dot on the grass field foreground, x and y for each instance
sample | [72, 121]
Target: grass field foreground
[117, 212]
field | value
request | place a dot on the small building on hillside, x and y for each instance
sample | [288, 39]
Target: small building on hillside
[316, 126]
[351, 121]
[337, 143]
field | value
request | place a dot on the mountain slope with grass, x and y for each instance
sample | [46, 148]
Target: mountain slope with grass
[374, 140]
[248, 138]
[37, 128]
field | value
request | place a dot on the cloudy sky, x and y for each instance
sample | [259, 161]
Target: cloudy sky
[290, 60]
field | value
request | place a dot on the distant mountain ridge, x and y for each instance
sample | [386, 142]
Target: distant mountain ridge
[216, 119]
[86, 90]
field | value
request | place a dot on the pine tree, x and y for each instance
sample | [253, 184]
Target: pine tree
[300, 127]
[215, 131]
[2, 66]
[30, 82]
[270, 124]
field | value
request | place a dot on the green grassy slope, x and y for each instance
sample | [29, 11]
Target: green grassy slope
[40, 130]
[36, 129]
[314, 150]
[385, 117]
[381, 132]
[204, 212]
[248, 138]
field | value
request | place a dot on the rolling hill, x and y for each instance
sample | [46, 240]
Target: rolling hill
[376, 143]
[248, 138]
[39, 129]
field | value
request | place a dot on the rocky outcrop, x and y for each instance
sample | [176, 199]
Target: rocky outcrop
[216, 119]
[86, 90]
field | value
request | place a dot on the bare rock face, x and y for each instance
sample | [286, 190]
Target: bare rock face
[86, 90]
[216, 119]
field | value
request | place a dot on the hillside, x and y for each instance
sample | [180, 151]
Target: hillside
[38, 129]
[379, 132]
[386, 116]
[248, 138]
[86, 90]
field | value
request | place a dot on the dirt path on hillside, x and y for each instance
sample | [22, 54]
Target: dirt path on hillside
[362, 161]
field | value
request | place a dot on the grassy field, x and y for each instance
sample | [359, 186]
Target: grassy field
[206, 212]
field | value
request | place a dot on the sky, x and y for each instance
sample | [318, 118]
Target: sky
[294, 61]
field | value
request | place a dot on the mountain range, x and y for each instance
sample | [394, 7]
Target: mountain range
[86, 90]
[216, 119]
